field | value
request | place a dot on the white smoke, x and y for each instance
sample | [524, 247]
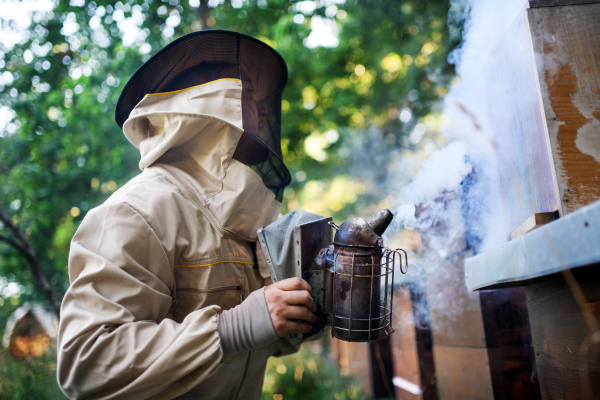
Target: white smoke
[454, 199]
[444, 171]
[466, 127]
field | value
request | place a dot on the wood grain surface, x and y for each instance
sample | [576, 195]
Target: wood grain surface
[525, 170]
[566, 41]
[508, 338]
[534, 222]
[566, 347]
[468, 327]
[404, 343]
[382, 368]
[505, 317]
[554, 3]
[463, 373]
[513, 371]
[424, 338]
[412, 343]
[455, 312]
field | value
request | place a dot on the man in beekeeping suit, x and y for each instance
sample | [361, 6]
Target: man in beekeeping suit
[169, 292]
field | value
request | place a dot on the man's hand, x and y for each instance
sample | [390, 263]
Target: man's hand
[288, 301]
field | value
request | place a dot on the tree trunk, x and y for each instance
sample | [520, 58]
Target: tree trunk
[24, 247]
[203, 12]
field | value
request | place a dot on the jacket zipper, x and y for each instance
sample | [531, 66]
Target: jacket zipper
[215, 290]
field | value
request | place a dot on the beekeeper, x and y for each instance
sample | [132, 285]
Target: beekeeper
[167, 294]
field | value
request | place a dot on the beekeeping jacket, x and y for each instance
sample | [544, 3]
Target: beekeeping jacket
[153, 267]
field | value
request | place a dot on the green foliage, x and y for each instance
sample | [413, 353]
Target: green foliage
[307, 376]
[28, 378]
[304, 375]
[63, 154]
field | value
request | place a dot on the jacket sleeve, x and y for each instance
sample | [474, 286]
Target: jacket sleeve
[114, 340]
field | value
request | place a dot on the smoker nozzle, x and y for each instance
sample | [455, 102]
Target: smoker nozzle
[380, 221]
[363, 232]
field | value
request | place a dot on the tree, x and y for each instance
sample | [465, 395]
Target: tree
[61, 152]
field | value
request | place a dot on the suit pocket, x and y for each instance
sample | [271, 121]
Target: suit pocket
[192, 299]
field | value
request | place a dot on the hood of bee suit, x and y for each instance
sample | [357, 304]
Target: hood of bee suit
[207, 110]
[192, 134]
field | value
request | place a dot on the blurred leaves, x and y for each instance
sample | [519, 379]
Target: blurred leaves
[29, 377]
[351, 111]
[348, 110]
[306, 375]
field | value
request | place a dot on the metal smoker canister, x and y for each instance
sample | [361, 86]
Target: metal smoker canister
[355, 267]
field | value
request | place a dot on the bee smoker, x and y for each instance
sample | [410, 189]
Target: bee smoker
[352, 278]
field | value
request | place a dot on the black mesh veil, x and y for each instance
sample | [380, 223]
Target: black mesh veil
[206, 56]
[189, 51]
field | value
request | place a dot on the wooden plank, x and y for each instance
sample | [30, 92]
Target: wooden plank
[404, 343]
[564, 383]
[424, 340]
[554, 3]
[552, 296]
[570, 242]
[514, 373]
[533, 222]
[566, 42]
[455, 312]
[463, 373]
[461, 322]
[525, 170]
[567, 355]
[382, 368]
[412, 344]
[508, 338]
[505, 317]
[558, 341]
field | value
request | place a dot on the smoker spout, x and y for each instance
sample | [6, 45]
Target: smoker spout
[363, 232]
[380, 221]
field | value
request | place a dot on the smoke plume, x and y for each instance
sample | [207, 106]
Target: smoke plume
[470, 154]
[453, 200]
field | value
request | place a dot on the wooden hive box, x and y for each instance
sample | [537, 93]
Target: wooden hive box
[481, 340]
[411, 345]
[543, 89]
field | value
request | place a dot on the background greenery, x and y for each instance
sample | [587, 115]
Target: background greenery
[351, 111]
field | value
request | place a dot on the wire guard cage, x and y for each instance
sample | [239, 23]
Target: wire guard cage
[361, 309]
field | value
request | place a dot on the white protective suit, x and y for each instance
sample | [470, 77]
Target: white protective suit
[152, 267]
